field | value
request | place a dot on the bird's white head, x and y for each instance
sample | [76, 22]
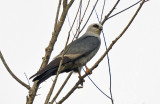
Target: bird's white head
[94, 28]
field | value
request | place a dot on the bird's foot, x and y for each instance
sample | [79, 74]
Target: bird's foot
[87, 70]
[82, 80]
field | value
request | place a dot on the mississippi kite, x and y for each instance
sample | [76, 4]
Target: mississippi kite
[77, 54]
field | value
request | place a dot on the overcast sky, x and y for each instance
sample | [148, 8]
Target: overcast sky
[25, 31]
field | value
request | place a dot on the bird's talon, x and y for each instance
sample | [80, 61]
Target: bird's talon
[82, 80]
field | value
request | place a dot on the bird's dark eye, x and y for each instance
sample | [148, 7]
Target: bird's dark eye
[96, 26]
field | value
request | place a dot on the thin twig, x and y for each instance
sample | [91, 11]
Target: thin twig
[80, 12]
[110, 12]
[102, 10]
[27, 79]
[97, 16]
[55, 80]
[81, 20]
[58, 71]
[88, 17]
[96, 85]
[70, 92]
[110, 88]
[74, 22]
[58, 9]
[12, 74]
[108, 66]
[123, 10]
[64, 83]
[101, 58]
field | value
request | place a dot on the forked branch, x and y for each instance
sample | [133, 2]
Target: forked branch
[106, 17]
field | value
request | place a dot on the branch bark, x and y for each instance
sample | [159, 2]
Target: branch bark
[64, 83]
[12, 74]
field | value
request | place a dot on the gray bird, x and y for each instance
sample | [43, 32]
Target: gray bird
[77, 54]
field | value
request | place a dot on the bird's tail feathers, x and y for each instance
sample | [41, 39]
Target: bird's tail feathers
[33, 76]
[43, 76]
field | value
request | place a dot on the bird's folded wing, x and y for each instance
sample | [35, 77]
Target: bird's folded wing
[75, 50]
[83, 46]
[52, 65]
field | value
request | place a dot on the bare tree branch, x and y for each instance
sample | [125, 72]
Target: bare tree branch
[101, 58]
[88, 17]
[59, 21]
[56, 77]
[58, 71]
[110, 12]
[70, 92]
[123, 10]
[70, 3]
[81, 20]
[58, 26]
[64, 83]
[103, 9]
[12, 74]
[56, 19]
[64, 3]
[53, 85]
[27, 79]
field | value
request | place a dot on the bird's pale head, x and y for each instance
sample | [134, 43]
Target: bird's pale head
[94, 28]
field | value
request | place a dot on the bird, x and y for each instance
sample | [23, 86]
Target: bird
[76, 55]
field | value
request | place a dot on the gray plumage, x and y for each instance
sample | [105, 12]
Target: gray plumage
[77, 54]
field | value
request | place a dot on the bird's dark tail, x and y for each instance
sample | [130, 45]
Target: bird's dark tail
[45, 75]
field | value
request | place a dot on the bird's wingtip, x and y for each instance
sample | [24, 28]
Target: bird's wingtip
[32, 76]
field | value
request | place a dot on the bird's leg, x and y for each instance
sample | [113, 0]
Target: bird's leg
[80, 77]
[79, 74]
[87, 70]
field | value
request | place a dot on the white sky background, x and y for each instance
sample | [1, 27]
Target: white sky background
[25, 31]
